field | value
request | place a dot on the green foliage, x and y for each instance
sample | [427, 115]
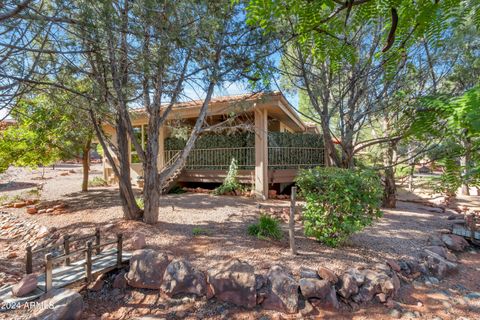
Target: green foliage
[97, 182]
[140, 202]
[339, 202]
[451, 179]
[230, 184]
[209, 141]
[266, 227]
[198, 231]
[176, 189]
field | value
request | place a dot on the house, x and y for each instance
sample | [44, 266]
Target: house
[270, 143]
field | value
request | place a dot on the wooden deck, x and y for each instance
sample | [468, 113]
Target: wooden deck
[244, 176]
[64, 276]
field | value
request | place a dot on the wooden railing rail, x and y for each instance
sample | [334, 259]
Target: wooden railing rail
[89, 258]
[66, 244]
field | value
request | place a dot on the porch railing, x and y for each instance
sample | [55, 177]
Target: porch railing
[217, 158]
[294, 157]
[278, 158]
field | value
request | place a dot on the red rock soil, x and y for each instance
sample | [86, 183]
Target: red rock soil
[401, 233]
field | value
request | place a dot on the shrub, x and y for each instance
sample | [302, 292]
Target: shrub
[140, 203]
[339, 202]
[97, 182]
[176, 189]
[267, 227]
[231, 182]
[198, 231]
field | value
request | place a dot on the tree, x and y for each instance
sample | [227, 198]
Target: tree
[50, 127]
[147, 53]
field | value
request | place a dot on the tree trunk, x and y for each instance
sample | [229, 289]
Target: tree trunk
[131, 211]
[86, 164]
[150, 173]
[390, 190]
[465, 163]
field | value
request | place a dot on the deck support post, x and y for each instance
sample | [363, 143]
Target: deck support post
[161, 149]
[291, 222]
[28, 260]
[66, 248]
[48, 272]
[261, 154]
[119, 249]
[88, 262]
[97, 240]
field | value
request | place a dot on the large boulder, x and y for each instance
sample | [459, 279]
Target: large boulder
[60, 304]
[25, 286]
[233, 281]
[327, 274]
[454, 242]
[314, 288]
[138, 241]
[282, 291]
[147, 267]
[349, 283]
[181, 277]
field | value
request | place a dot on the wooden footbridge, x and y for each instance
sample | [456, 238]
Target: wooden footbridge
[65, 267]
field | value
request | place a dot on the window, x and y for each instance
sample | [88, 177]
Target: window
[140, 133]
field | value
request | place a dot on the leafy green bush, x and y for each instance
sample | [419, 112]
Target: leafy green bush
[267, 227]
[339, 202]
[140, 203]
[97, 182]
[198, 231]
[231, 182]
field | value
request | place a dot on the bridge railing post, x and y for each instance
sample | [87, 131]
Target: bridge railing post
[88, 262]
[66, 248]
[97, 240]
[119, 249]
[28, 260]
[48, 272]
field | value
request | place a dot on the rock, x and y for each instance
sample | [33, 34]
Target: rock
[393, 265]
[441, 251]
[19, 204]
[395, 314]
[308, 273]
[146, 269]
[41, 211]
[180, 277]
[12, 255]
[62, 304]
[138, 241]
[97, 284]
[438, 265]
[25, 286]
[347, 286]
[435, 240]
[233, 281]
[31, 210]
[59, 206]
[314, 288]
[454, 242]
[282, 291]
[49, 210]
[272, 193]
[120, 282]
[451, 257]
[327, 274]
[381, 297]
[42, 232]
[260, 281]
